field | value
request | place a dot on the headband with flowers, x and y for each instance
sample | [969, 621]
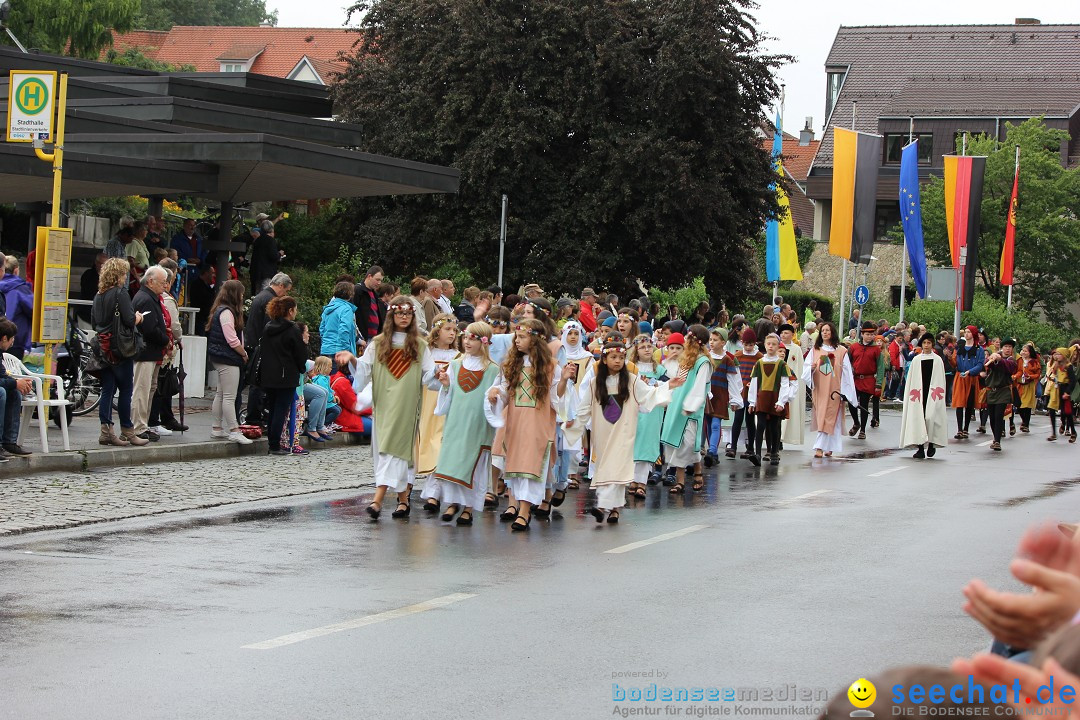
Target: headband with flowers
[405, 306]
[538, 306]
[537, 333]
[439, 324]
[614, 349]
[479, 338]
[494, 323]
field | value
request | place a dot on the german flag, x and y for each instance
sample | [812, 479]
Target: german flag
[856, 158]
[963, 205]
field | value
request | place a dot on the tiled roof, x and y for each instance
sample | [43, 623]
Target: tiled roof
[890, 69]
[203, 46]
[241, 51]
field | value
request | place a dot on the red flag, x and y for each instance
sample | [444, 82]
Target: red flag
[1007, 249]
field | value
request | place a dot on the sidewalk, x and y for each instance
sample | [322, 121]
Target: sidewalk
[87, 454]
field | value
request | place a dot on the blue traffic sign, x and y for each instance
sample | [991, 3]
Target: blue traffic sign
[862, 295]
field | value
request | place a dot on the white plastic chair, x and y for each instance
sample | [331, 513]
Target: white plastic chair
[37, 400]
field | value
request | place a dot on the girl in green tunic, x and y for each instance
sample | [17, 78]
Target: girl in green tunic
[464, 464]
[647, 439]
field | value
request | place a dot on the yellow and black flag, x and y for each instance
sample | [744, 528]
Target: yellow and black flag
[963, 211]
[856, 158]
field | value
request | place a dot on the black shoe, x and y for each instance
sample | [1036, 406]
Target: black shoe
[755, 460]
[520, 524]
[149, 435]
[373, 511]
[920, 453]
[15, 449]
[177, 427]
[669, 477]
[597, 513]
[709, 460]
[654, 477]
[931, 450]
[451, 511]
[431, 506]
[280, 451]
[509, 514]
[874, 423]
[465, 518]
[542, 513]
[981, 429]
[775, 460]
[558, 497]
[4, 457]
[399, 513]
[613, 517]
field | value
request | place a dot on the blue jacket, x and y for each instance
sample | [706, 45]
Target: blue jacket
[970, 359]
[338, 327]
[185, 251]
[20, 307]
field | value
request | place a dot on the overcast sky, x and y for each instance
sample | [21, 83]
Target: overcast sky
[801, 28]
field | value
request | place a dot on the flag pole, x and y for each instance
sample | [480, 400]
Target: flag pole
[843, 277]
[1016, 169]
[903, 256]
[961, 256]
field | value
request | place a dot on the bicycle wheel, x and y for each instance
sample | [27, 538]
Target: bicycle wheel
[85, 392]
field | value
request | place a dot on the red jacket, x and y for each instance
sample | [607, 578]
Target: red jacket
[348, 419]
[864, 366]
[894, 354]
[586, 317]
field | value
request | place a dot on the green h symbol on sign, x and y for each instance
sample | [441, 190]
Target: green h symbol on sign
[32, 96]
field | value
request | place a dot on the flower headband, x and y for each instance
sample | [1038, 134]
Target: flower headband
[537, 333]
[439, 324]
[479, 338]
[494, 323]
[406, 306]
[642, 339]
[615, 348]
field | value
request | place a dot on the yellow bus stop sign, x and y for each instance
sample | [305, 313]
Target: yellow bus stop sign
[31, 106]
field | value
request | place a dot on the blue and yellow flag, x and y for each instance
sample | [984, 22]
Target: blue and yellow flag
[781, 255]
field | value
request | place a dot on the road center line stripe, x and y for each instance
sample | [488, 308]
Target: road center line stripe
[804, 496]
[659, 538]
[359, 622]
[984, 444]
[886, 472]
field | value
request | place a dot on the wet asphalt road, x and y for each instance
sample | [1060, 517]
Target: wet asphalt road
[815, 574]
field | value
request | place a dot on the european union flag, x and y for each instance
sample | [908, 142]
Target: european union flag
[911, 214]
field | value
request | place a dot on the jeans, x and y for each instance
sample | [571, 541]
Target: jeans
[315, 398]
[115, 377]
[332, 411]
[280, 401]
[11, 409]
[562, 469]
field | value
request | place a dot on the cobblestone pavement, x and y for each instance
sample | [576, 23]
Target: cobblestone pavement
[60, 500]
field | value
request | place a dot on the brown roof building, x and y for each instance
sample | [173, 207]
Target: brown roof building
[309, 54]
[940, 81]
[798, 153]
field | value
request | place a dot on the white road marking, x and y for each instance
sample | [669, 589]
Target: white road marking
[886, 472]
[359, 622]
[652, 541]
[804, 496]
[984, 444]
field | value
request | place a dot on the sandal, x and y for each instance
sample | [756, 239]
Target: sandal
[373, 510]
[1052, 438]
[399, 513]
[676, 488]
[521, 524]
[1012, 431]
[573, 485]
[640, 492]
[558, 497]
[465, 518]
[1072, 438]
[613, 517]
[597, 513]
[1025, 429]
[541, 512]
[698, 486]
[490, 501]
[509, 514]
[449, 513]
[819, 454]
[431, 506]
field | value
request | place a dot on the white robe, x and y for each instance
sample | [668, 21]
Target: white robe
[917, 426]
[793, 431]
[390, 471]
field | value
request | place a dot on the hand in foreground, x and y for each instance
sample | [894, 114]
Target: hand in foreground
[25, 386]
[676, 383]
[344, 357]
[444, 378]
[1023, 619]
[569, 371]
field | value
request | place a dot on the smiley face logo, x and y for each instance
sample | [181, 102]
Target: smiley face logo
[862, 693]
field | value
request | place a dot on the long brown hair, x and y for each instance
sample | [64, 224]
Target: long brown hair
[693, 350]
[539, 355]
[386, 337]
[230, 296]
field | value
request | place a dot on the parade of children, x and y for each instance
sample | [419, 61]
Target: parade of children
[523, 408]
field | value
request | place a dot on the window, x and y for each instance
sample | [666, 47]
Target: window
[894, 144]
[832, 90]
[232, 67]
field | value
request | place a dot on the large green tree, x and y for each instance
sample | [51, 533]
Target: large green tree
[82, 28]
[163, 14]
[623, 132]
[1047, 227]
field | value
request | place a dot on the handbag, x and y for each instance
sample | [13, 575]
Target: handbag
[253, 371]
[168, 381]
[127, 342]
[95, 363]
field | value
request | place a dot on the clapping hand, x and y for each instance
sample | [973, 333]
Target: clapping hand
[444, 378]
[569, 371]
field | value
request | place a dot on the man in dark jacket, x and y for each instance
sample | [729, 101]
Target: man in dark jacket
[370, 310]
[19, 299]
[265, 256]
[279, 285]
[155, 332]
[11, 392]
